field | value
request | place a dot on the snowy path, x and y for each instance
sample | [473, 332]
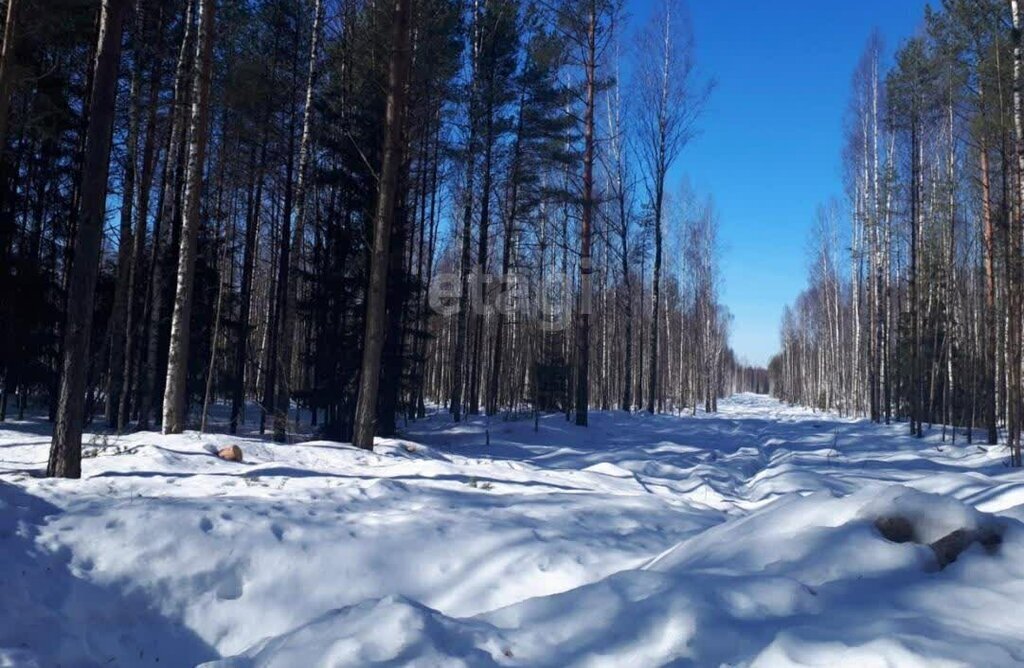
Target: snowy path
[743, 538]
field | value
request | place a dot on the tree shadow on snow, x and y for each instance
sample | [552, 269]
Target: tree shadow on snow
[55, 612]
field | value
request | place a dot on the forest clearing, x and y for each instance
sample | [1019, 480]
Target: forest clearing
[745, 537]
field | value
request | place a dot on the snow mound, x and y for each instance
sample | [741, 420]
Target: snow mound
[806, 581]
[821, 538]
[609, 469]
[932, 516]
[389, 631]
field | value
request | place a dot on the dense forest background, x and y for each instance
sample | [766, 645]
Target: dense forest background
[915, 312]
[364, 210]
[356, 213]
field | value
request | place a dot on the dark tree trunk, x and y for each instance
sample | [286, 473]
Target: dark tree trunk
[66, 449]
[288, 331]
[162, 232]
[125, 247]
[7, 65]
[387, 197]
[654, 393]
[583, 308]
[139, 238]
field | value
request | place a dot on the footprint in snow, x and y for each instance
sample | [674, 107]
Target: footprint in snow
[206, 525]
[231, 587]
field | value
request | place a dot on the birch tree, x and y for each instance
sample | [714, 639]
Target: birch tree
[175, 388]
[670, 100]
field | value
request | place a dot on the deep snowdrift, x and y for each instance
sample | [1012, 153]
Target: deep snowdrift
[746, 538]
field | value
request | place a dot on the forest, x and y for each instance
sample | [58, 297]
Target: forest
[913, 310]
[351, 211]
[510, 333]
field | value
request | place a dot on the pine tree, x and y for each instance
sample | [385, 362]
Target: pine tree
[66, 449]
[387, 195]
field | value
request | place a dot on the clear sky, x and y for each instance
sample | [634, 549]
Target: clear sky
[772, 137]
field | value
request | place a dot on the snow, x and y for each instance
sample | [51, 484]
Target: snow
[745, 538]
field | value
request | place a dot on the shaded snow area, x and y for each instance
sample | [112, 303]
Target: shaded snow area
[749, 538]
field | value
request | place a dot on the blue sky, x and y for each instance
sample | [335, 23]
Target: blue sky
[772, 137]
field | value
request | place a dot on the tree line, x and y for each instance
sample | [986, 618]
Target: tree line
[350, 211]
[913, 310]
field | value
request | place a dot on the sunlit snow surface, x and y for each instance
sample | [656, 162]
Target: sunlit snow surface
[738, 539]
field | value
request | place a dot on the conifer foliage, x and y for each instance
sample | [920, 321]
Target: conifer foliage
[243, 214]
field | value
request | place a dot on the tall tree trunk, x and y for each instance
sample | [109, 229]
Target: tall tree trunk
[988, 240]
[916, 377]
[214, 337]
[654, 390]
[392, 368]
[7, 65]
[481, 261]
[252, 226]
[276, 364]
[1014, 231]
[287, 320]
[466, 272]
[458, 351]
[118, 315]
[421, 408]
[626, 301]
[583, 307]
[506, 264]
[878, 364]
[162, 233]
[177, 360]
[66, 448]
[387, 196]
[139, 237]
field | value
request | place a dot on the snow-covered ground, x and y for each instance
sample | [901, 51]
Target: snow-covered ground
[745, 538]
